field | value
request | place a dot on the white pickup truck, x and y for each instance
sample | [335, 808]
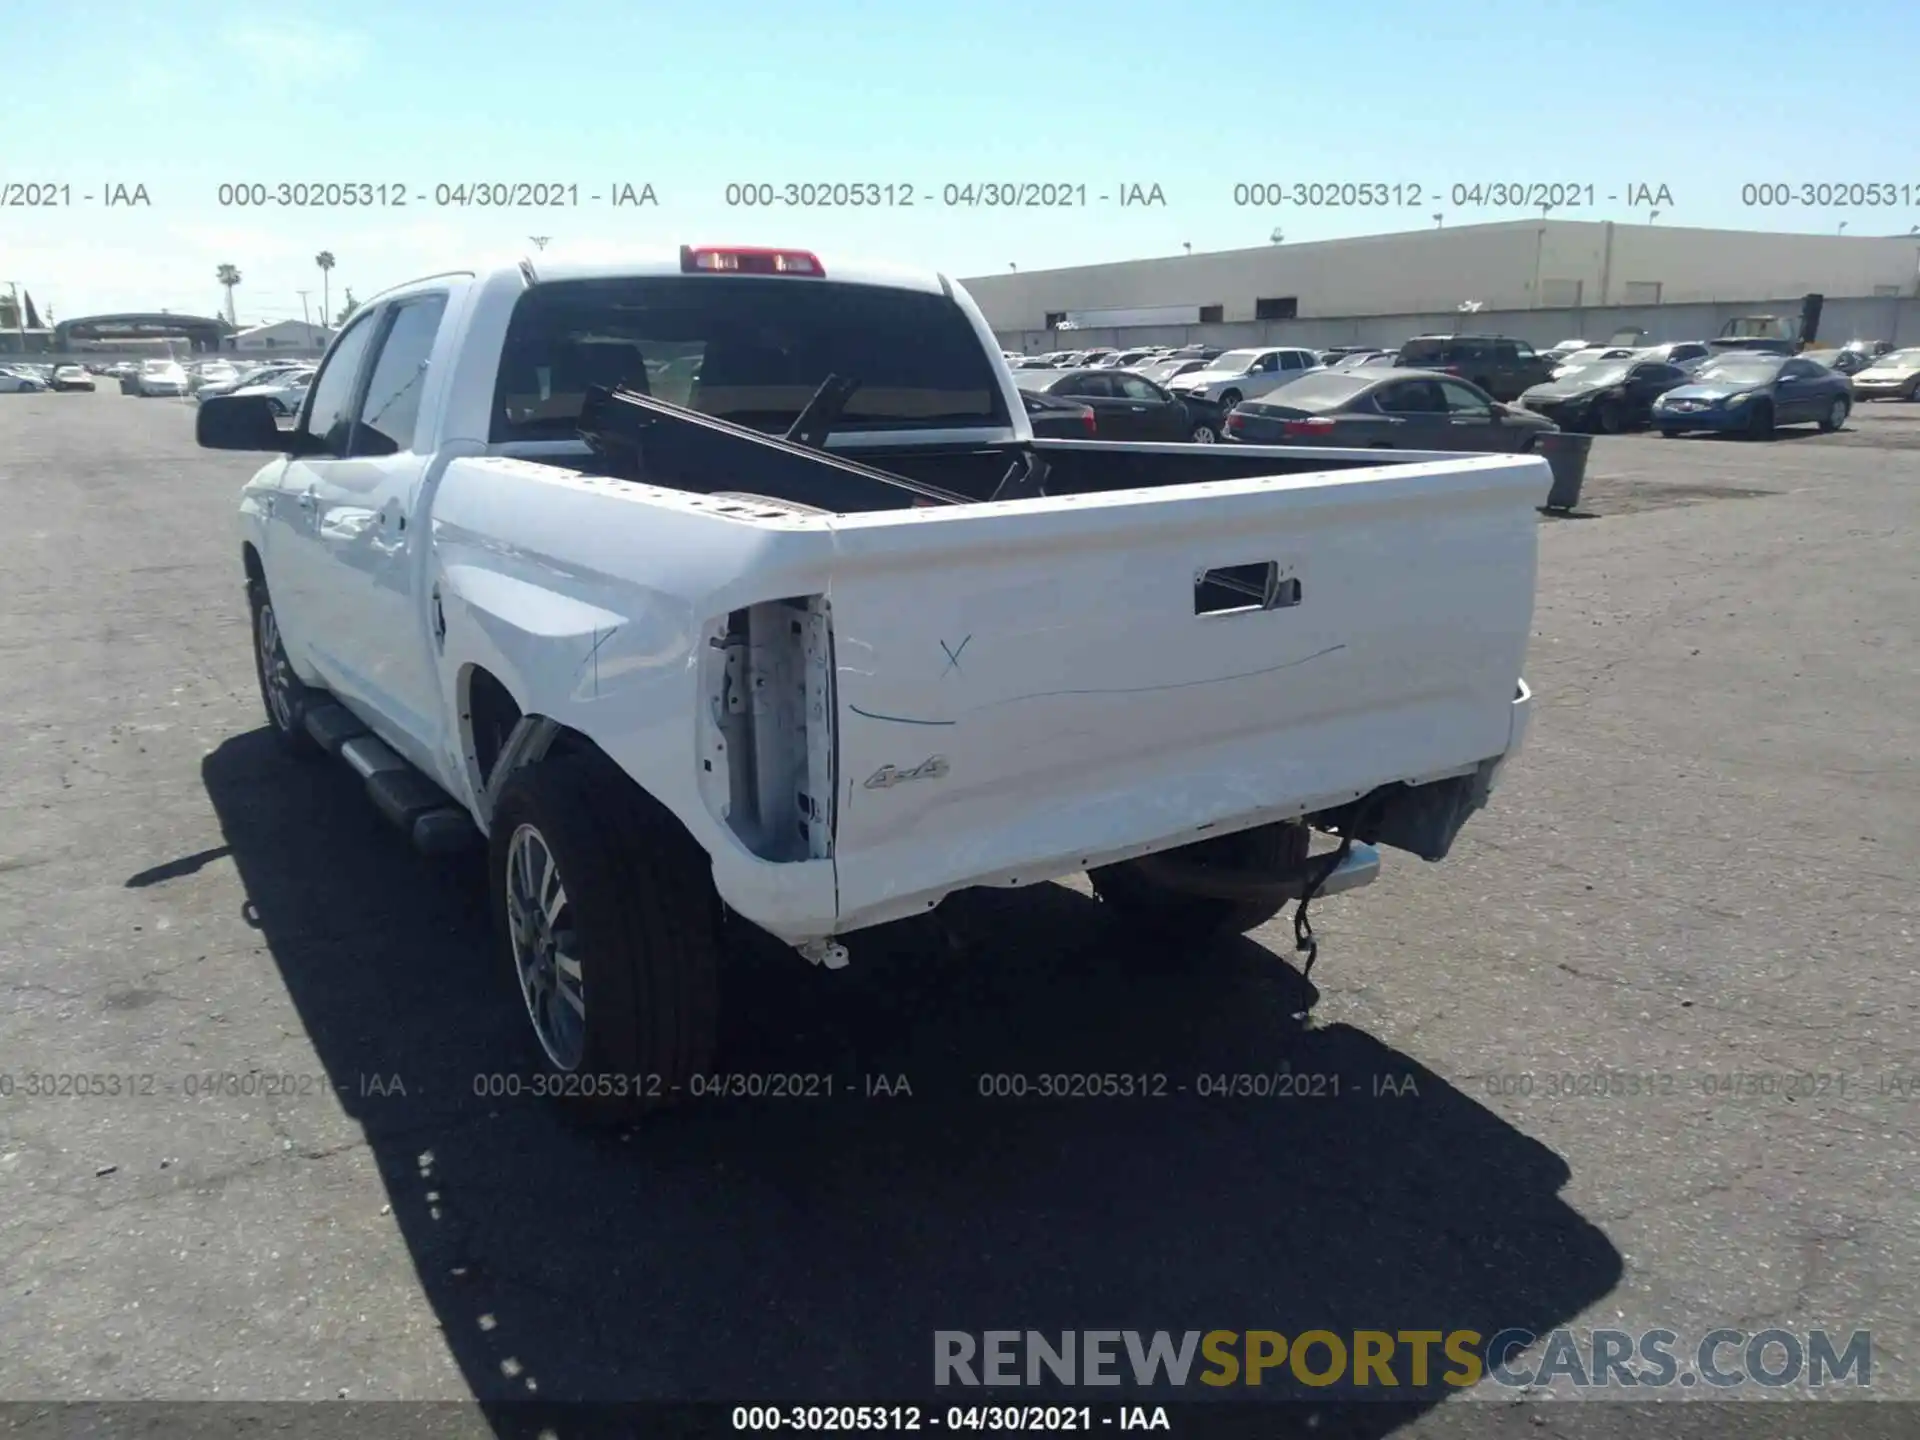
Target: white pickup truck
[732, 583]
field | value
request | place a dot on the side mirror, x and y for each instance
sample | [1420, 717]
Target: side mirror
[240, 422]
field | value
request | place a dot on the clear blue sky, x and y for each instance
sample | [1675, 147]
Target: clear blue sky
[1698, 98]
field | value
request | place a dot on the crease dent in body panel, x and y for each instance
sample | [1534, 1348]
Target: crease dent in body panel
[592, 657]
[1116, 690]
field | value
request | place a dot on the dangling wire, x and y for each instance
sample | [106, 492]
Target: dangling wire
[1303, 937]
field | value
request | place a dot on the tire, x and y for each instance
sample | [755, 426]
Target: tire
[1760, 422]
[1836, 416]
[1228, 401]
[282, 694]
[637, 914]
[1607, 419]
[1666, 434]
[1204, 433]
[1146, 902]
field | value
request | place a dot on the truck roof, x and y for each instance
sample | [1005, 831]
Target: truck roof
[614, 264]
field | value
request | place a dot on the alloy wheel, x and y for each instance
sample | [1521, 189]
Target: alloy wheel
[545, 949]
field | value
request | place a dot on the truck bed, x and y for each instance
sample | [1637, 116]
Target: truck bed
[903, 697]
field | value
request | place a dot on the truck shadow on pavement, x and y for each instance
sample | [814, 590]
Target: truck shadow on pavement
[808, 1249]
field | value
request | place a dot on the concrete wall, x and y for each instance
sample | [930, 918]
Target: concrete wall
[1896, 319]
[1517, 265]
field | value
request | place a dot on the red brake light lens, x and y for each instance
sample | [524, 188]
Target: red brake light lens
[1090, 420]
[1319, 425]
[1235, 420]
[749, 260]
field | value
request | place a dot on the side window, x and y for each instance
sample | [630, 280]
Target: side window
[393, 395]
[1134, 388]
[330, 406]
[1468, 351]
[1267, 364]
[1414, 397]
[1506, 352]
[1464, 401]
[1092, 387]
[1292, 360]
[1524, 352]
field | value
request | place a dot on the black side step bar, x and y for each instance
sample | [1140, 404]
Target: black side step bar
[420, 808]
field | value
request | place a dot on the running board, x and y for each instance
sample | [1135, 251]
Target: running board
[420, 808]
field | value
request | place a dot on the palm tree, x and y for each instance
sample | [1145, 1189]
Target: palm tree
[229, 276]
[347, 309]
[325, 261]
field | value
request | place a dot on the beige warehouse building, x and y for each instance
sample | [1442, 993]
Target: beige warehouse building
[1515, 266]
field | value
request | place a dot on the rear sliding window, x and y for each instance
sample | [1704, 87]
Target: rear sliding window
[1423, 351]
[749, 349]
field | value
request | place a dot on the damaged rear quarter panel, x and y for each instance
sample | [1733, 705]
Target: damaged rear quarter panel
[595, 613]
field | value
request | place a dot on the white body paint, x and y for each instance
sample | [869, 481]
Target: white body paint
[990, 694]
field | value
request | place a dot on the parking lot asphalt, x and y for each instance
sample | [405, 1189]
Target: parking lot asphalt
[1649, 1033]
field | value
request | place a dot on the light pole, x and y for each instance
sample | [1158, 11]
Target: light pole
[1539, 248]
[306, 315]
[1843, 228]
[1439, 219]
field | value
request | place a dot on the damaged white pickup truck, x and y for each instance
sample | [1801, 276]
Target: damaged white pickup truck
[734, 582]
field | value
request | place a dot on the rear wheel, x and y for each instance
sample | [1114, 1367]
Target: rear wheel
[1760, 421]
[1203, 433]
[606, 916]
[1270, 850]
[1836, 415]
[1607, 417]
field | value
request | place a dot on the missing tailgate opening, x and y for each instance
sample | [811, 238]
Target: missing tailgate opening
[1235, 589]
[772, 707]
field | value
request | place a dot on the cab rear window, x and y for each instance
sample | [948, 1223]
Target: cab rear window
[749, 349]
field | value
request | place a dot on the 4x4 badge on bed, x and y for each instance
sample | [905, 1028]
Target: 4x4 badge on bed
[934, 767]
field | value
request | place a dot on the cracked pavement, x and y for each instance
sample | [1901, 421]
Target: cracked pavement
[1698, 876]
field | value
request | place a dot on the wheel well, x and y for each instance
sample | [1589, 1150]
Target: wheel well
[250, 561]
[489, 717]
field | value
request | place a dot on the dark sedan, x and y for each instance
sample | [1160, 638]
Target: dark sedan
[1749, 392]
[1609, 398]
[1386, 409]
[1126, 406]
[1053, 419]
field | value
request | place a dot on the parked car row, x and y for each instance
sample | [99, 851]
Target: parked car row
[25, 379]
[1603, 388]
